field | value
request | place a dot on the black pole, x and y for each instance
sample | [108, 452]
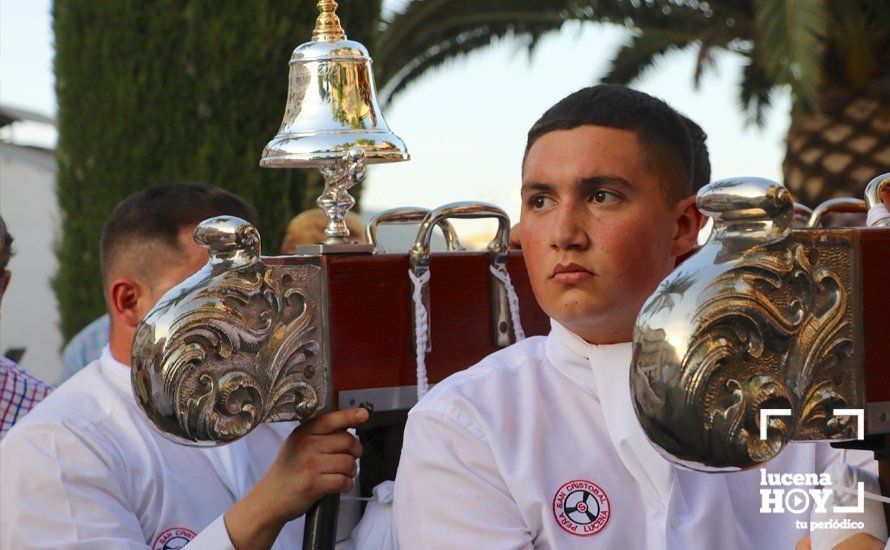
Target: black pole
[320, 531]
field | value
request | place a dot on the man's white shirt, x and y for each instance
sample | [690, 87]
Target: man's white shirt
[538, 446]
[85, 470]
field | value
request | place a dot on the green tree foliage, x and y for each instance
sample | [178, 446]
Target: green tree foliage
[172, 90]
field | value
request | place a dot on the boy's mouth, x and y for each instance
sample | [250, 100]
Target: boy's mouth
[570, 274]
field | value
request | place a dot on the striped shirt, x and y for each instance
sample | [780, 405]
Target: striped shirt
[84, 348]
[19, 392]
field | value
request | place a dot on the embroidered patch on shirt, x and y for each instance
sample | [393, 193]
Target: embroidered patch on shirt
[173, 539]
[581, 508]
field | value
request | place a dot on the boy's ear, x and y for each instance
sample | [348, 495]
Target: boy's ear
[688, 221]
[125, 298]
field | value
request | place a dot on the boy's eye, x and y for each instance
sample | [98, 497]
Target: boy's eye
[604, 197]
[539, 202]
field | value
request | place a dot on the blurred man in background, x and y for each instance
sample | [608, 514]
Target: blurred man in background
[19, 391]
[86, 469]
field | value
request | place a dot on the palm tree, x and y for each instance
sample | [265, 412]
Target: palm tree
[833, 56]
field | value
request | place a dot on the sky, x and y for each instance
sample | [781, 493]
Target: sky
[465, 123]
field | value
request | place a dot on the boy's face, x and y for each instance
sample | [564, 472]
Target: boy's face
[597, 233]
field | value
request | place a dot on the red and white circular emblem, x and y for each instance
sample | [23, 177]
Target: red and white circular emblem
[173, 539]
[581, 508]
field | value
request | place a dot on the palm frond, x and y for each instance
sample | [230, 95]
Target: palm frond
[858, 34]
[714, 38]
[791, 43]
[755, 92]
[426, 33]
[638, 54]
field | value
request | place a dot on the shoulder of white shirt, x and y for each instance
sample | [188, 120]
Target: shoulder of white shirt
[86, 399]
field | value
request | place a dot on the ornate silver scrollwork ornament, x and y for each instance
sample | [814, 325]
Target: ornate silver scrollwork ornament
[760, 318]
[235, 344]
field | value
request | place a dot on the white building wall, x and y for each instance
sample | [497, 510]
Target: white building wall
[29, 315]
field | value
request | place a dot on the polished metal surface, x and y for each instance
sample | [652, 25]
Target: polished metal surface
[238, 343]
[419, 258]
[874, 188]
[406, 215]
[336, 248]
[331, 103]
[394, 398]
[877, 418]
[331, 119]
[762, 317]
[336, 201]
[873, 195]
[802, 214]
[842, 205]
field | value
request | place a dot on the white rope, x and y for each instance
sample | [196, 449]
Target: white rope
[878, 216]
[503, 276]
[851, 491]
[421, 326]
[421, 320]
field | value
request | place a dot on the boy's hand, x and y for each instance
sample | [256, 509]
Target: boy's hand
[316, 459]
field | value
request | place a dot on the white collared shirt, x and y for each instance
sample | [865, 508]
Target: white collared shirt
[538, 446]
[85, 470]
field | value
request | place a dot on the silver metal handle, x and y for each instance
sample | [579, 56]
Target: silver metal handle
[801, 215]
[874, 188]
[420, 252]
[873, 198]
[406, 215]
[419, 258]
[843, 204]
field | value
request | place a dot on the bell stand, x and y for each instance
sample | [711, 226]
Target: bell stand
[320, 528]
[342, 165]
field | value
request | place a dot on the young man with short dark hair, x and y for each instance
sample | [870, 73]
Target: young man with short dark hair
[85, 469]
[538, 445]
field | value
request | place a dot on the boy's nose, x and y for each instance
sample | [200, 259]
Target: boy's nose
[569, 231]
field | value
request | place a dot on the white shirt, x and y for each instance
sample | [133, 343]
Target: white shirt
[85, 470]
[538, 446]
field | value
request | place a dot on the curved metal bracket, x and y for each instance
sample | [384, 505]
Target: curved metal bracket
[419, 258]
[842, 204]
[406, 215]
[873, 198]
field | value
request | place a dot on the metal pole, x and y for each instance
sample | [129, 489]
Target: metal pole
[320, 530]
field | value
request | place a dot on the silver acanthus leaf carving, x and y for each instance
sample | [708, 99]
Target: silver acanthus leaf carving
[760, 318]
[236, 344]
